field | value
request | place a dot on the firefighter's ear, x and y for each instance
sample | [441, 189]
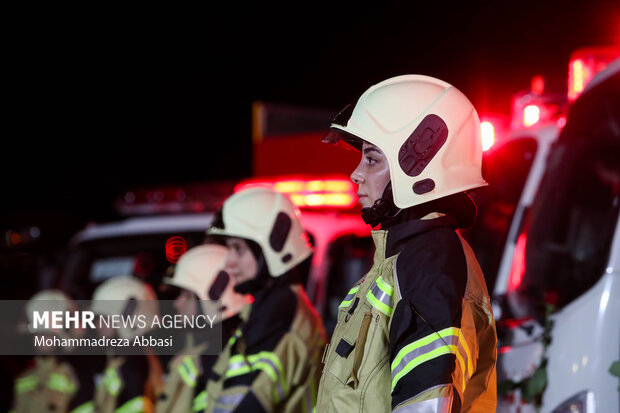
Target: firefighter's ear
[403, 324]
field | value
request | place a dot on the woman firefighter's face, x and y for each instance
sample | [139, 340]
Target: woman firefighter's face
[240, 262]
[371, 175]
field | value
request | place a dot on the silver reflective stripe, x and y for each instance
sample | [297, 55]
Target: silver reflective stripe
[421, 351]
[231, 399]
[438, 405]
[277, 377]
[381, 295]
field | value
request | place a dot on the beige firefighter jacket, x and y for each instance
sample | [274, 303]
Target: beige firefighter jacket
[414, 353]
[281, 378]
[47, 387]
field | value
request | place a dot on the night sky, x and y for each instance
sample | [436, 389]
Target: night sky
[100, 100]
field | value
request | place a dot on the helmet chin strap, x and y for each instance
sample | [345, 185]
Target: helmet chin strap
[383, 208]
[262, 276]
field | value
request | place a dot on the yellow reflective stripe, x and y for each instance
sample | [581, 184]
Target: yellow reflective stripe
[266, 361]
[112, 381]
[449, 349]
[61, 383]
[234, 337]
[349, 297]
[135, 405]
[463, 343]
[422, 350]
[237, 366]
[25, 384]
[188, 371]
[464, 360]
[88, 407]
[381, 296]
[200, 402]
[385, 287]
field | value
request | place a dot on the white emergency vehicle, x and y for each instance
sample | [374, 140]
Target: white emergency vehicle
[557, 292]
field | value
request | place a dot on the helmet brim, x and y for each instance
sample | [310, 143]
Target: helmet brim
[343, 139]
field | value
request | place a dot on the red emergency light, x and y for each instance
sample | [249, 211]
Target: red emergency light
[531, 115]
[584, 64]
[330, 192]
[487, 134]
[175, 247]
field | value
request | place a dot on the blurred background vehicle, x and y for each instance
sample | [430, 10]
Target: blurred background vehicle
[557, 294]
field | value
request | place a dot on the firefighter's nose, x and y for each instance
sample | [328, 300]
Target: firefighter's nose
[357, 177]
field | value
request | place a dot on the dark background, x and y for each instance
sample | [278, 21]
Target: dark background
[99, 100]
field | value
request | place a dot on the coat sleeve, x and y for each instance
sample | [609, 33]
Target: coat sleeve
[255, 379]
[431, 277]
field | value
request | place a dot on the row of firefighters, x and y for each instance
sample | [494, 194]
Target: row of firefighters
[415, 334]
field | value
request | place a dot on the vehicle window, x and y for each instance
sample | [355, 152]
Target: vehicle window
[92, 262]
[573, 222]
[505, 169]
[349, 259]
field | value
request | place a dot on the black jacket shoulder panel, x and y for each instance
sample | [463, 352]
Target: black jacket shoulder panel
[271, 317]
[431, 274]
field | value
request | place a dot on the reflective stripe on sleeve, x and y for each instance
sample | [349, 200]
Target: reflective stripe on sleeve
[88, 407]
[200, 402]
[381, 296]
[349, 298]
[135, 405]
[112, 381]
[61, 383]
[266, 361]
[188, 371]
[26, 384]
[422, 350]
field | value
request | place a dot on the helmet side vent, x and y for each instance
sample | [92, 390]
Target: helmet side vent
[422, 145]
[281, 229]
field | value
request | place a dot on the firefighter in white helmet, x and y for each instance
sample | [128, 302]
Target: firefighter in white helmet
[416, 333]
[128, 383]
[51, 383]
[272, 362]
[198, 277]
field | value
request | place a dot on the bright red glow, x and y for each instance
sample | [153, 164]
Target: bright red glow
[504, 349]
[310, 193]
[175, 247]
[487, 133]
[531, 115]
[579, 75]
[584, 64]
[561, 121]
[518, 264]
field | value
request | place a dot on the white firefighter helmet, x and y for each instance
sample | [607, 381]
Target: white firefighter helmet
[200, 270]
[128, 297]
[428, 130]
[48, 300]
[271, 220]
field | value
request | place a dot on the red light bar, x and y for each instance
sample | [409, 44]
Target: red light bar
[331, 192]
[584, 64]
